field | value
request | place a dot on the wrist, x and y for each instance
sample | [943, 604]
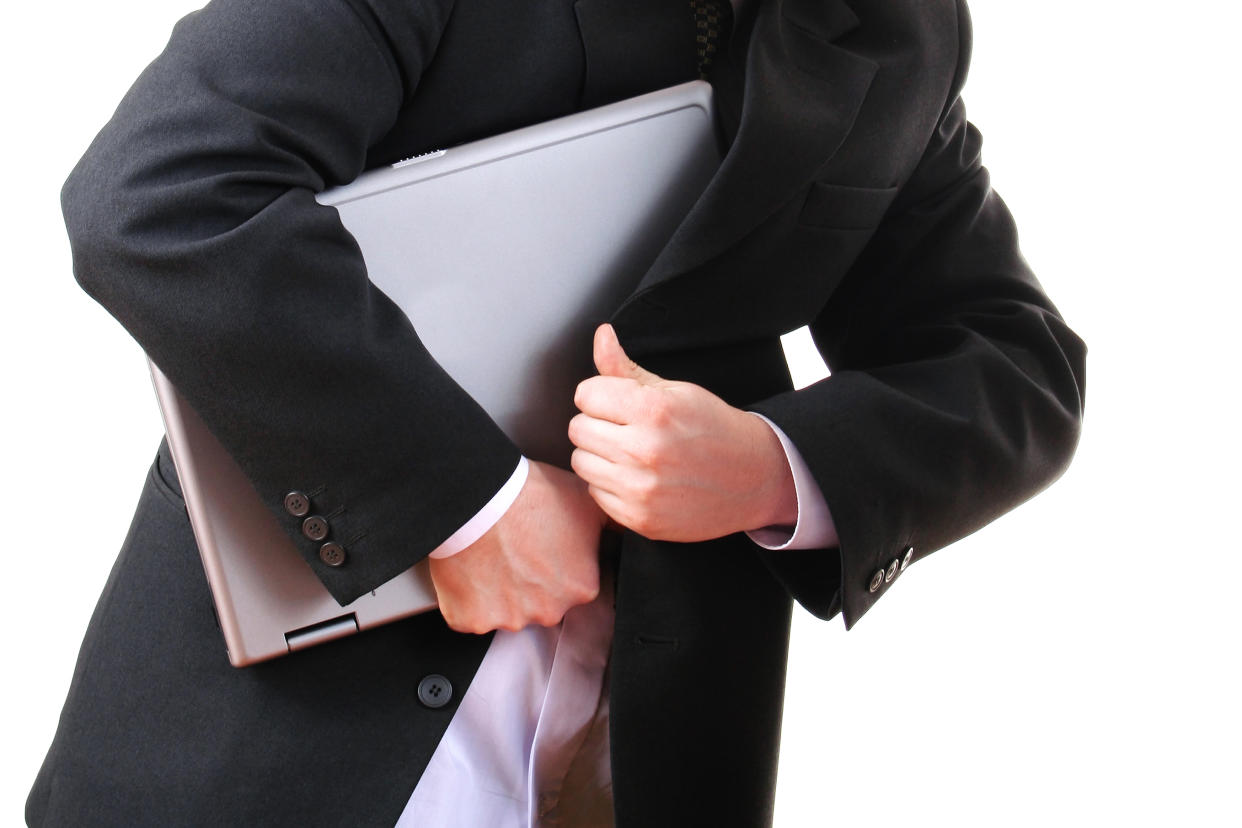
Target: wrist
[776, 497]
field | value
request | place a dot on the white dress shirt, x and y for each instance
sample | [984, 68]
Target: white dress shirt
[527, 747]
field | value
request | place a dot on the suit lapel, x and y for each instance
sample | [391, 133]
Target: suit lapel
[791, 95]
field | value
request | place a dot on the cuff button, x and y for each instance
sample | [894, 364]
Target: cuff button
[315, 528]
[297, 504]
[905, 559]
[877, 581]
[891, 573]
[331, 553]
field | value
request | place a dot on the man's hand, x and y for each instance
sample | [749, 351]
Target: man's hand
[671, 460]
[539, 560]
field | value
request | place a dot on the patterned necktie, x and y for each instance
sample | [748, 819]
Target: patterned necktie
[712, 20]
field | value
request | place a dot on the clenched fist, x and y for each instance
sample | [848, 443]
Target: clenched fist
[672, 461]
[536, 563]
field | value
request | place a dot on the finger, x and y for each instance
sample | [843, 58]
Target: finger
[612, 361]
[611, 505]
[607, 439]
[457, 616]
[615, 399]
[596, 471]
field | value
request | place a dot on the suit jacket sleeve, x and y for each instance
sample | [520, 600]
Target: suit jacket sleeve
[957, 389]
[192, 219]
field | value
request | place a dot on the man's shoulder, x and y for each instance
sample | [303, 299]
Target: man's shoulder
[920, 32]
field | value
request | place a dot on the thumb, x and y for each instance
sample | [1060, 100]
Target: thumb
[611, 359]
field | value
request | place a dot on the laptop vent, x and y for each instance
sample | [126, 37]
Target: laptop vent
[415, 159]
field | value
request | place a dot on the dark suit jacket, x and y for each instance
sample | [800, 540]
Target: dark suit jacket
[852, 199]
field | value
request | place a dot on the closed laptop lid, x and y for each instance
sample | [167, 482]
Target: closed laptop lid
[520, 245]
[505, 253]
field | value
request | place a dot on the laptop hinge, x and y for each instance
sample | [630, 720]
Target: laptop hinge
[321, 632]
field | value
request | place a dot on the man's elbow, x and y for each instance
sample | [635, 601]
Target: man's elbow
[1065, 389]
[111, 256]
[90, 207]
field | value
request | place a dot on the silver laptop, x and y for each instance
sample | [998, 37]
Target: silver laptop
[519, 244]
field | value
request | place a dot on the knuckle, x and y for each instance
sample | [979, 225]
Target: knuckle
[464, 620]
[645, 490]
[647, 450]
[641, 522]
[548, 618]
[625, 515]
[656, 406]
[587, 593]
[455, 621]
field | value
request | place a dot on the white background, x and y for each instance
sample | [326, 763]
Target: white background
[1075, 663]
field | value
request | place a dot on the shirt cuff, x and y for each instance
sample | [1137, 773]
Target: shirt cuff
[486, 517]
[815, 528]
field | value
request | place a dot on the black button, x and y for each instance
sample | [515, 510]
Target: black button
[877, 581]
[315, 527]
[435, 691]
[297, 504]
[332, 553]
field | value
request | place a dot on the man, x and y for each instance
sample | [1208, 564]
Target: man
[852, 199]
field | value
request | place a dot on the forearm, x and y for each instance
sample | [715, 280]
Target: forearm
[193, 220]
[956, 390]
